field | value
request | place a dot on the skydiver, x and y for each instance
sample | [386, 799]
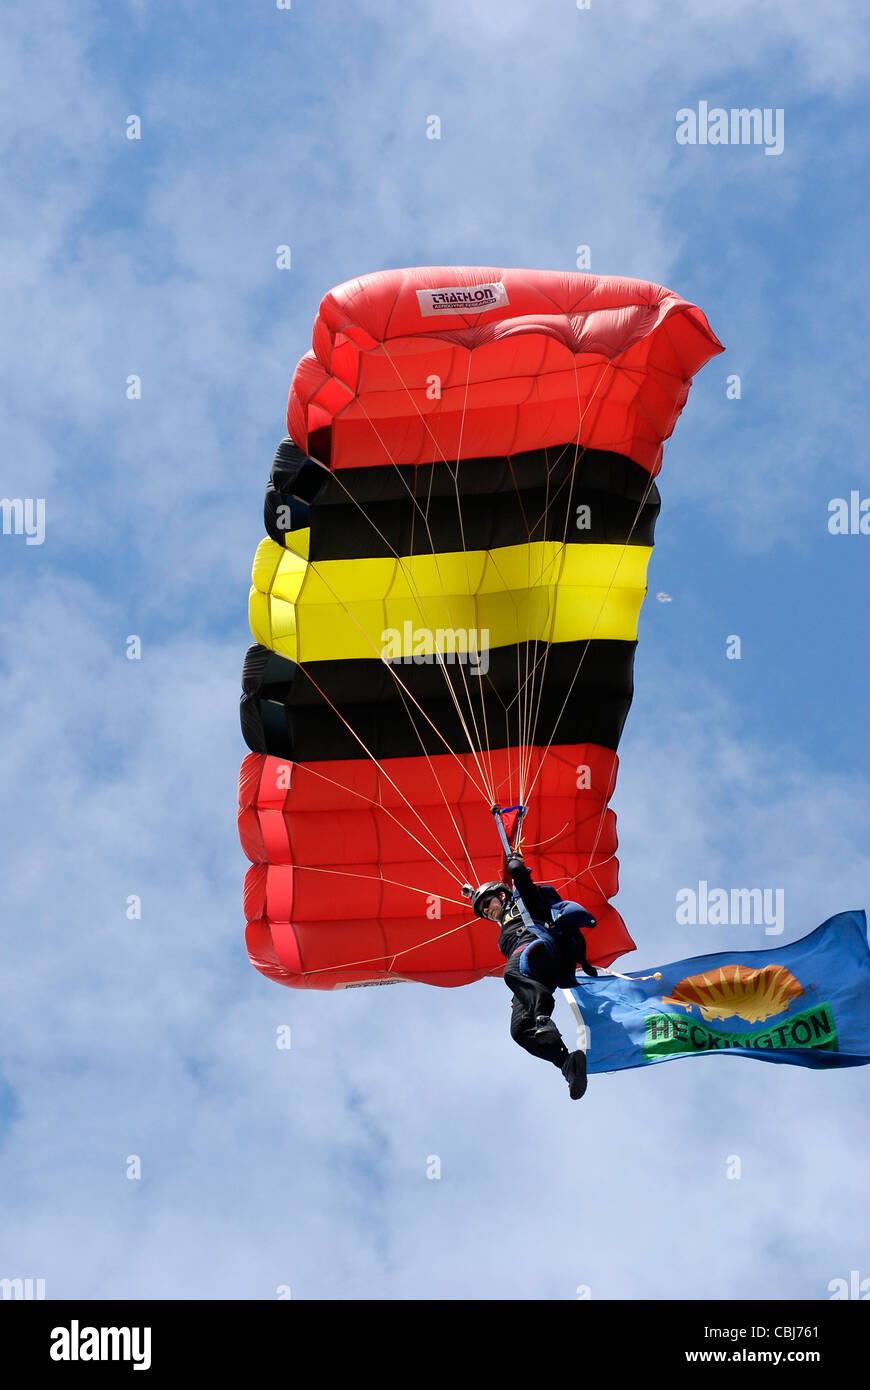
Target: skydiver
[538, 962]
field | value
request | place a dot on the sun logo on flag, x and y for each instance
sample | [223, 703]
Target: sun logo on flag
[734, 990]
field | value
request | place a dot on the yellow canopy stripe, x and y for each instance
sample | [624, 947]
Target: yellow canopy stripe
[342, 609]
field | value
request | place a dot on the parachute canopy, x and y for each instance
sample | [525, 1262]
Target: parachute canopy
[446, 608]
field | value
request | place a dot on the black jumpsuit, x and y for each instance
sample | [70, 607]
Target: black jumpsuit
[534, 996]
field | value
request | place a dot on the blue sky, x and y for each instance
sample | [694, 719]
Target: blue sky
[307, 1167]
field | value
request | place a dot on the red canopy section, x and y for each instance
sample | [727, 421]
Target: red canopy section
[603, 360]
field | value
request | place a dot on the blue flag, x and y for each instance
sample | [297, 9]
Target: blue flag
[807, 1003]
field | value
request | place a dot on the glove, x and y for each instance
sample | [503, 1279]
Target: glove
[515, 862]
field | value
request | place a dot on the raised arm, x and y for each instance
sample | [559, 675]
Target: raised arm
[534, 899]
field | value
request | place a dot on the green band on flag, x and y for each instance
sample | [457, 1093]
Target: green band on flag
[668, 1035]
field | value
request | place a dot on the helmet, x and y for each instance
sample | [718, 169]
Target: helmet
[481, 896]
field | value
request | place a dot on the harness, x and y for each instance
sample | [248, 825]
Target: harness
[542, 936]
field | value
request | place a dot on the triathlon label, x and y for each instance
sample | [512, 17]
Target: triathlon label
[462, 299]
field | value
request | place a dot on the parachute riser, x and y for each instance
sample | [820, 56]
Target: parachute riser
[498, 812]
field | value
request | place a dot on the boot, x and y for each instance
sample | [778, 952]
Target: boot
[574, 1072]
[545, 1029]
